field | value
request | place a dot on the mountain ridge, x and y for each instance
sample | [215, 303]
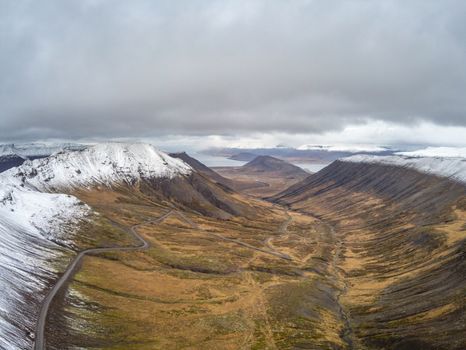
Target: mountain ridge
[400, 233]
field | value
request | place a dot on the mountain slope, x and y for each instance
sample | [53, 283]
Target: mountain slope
[399, 225]
[203, 169]
[31, 236]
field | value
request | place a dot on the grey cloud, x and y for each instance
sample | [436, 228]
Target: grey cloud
[140, 68]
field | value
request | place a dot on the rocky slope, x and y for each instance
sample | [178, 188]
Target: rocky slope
[400, 224]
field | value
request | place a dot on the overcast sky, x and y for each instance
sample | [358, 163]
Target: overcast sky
[242, 69]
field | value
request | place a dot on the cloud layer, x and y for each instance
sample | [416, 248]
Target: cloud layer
[141, 68]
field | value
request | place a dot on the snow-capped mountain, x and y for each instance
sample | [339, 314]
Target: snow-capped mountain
[32, 218]
[101, 164]
[450, 167]
[9, 150]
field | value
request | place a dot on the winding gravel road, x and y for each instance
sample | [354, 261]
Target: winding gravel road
[39, 343]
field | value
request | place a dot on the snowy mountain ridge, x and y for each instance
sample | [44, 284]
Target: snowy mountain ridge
[100, 164]
[449, 167]
[9, 150]
[446, 152]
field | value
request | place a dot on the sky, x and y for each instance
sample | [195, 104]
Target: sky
[236, 72]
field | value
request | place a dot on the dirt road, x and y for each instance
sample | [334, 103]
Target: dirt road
[39, 343]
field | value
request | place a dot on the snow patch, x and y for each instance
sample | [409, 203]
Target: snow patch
[453, 168]
[446, 152]
[31, 237]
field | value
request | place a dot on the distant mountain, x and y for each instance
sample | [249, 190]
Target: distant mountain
[304, 154]
[240, 181]
[38, 150]
[262, 164]
[11, 161]
[12, 155]
[263, 176]
[7, 149]
[243, 156]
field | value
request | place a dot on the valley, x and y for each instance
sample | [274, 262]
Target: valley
[175, 255]
[263, 176]
[229, 296]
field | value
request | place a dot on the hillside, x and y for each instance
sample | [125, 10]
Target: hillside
[399, 241]
[203, 169]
